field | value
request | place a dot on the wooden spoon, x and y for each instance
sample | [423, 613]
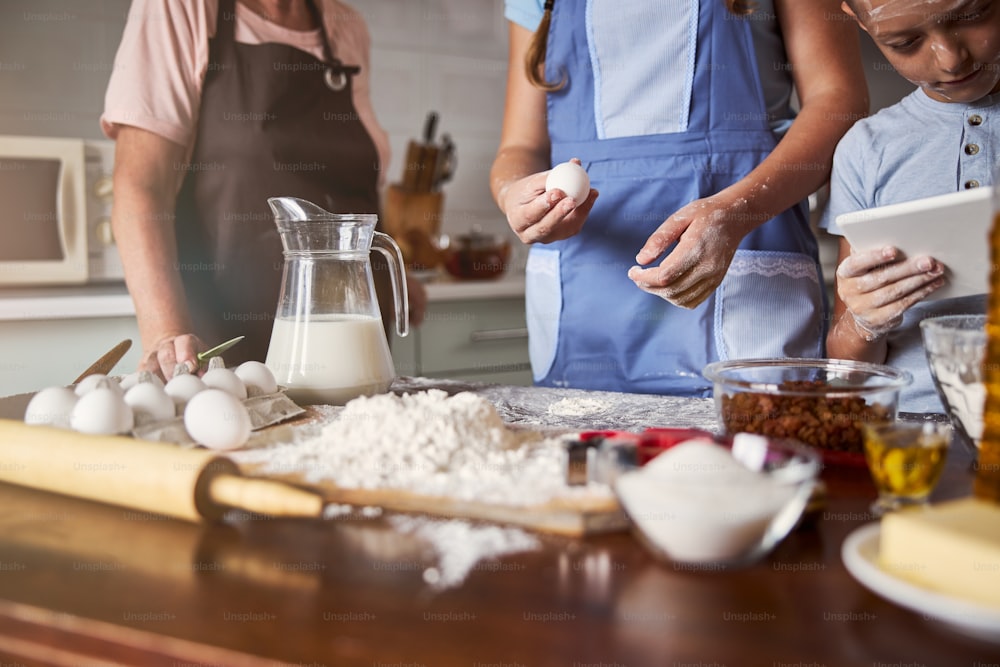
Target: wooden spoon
[107, 360]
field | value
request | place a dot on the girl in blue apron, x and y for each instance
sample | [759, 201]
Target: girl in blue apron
[664, 103]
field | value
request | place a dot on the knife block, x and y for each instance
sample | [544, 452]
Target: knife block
[413, 219]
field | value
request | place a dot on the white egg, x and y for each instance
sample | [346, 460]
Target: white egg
[129, 381]
[182, 388]
[150, 403]
[257, 377]
[93, 381]
[226, 380]
[51, 406]
[571, 178]
[217, 419]
[132, 379]
[101, 411]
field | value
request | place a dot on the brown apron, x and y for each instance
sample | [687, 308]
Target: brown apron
[269, 126]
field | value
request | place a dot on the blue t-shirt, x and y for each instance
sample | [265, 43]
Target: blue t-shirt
[916, 148]
[772, 62]
[913, 149]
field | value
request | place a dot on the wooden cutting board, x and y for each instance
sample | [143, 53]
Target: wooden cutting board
[194, 484]
[161, 478]
[576, 517]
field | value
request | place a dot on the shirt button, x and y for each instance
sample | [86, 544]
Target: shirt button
[975, 119]
[971, 184]
[971, 149]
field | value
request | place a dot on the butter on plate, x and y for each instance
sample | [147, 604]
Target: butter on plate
[952, 547]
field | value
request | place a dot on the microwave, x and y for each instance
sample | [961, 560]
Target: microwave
[55, 212]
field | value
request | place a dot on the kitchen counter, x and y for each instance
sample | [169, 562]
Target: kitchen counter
[65, 302]
[101, 582]
[113, 300]
[50, 334]
[445, 288]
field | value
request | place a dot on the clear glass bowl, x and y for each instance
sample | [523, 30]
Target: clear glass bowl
[476, 256]
[714, 512]
[956, 347]
[819, 402]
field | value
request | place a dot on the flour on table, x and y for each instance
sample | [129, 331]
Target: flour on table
[460, 545]
[576, 407]
[428, 443]
[433, 444]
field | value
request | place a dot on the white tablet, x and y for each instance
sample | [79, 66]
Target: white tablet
[953, 228]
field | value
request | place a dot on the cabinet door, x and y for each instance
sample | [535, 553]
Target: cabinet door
[43, 353]
[475, 339]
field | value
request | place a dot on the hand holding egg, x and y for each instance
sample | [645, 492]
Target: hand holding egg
[571, 178]
[535, 206]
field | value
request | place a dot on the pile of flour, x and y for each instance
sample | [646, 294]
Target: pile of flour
[433, 444]
[427, 443]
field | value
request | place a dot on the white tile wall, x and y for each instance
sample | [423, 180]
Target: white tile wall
[449, 56]
[443, 55]
[55, 60]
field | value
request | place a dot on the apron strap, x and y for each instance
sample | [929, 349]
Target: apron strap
[337, 74]
[225, 20]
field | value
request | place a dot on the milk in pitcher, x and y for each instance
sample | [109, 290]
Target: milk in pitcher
[330, 359]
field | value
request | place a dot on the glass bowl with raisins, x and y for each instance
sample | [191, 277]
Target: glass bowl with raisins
[820, 402]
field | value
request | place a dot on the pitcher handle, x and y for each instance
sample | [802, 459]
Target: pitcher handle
[397, 273]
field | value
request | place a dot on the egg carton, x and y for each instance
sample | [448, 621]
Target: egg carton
[264, 410]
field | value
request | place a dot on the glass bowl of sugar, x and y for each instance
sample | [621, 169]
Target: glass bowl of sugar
[713, 503]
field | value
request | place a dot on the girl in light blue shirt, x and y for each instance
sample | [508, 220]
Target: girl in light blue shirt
[941, 138]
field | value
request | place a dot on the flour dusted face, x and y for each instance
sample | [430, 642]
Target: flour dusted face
[950, 48]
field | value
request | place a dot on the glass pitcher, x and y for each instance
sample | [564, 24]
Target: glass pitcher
[327, 344]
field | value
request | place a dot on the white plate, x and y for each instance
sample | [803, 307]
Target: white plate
[927, 227]
[860, 555]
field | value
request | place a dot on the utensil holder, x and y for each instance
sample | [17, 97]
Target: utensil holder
[414, 219]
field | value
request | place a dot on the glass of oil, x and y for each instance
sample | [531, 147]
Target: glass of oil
[905, 460]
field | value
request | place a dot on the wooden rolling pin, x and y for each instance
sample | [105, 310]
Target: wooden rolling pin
[189, 484]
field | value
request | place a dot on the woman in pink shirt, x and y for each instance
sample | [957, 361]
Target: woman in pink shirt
[216, 105]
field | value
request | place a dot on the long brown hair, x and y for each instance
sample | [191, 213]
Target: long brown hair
[534, 60]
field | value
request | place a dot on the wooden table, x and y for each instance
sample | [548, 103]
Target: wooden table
[83, 583]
